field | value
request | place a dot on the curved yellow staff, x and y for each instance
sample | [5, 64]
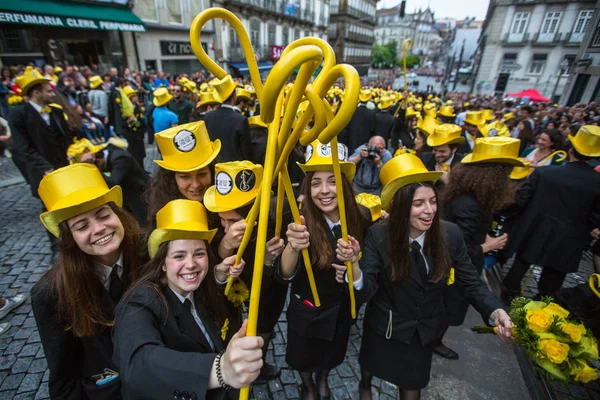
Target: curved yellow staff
[406, 45]
[594, 283]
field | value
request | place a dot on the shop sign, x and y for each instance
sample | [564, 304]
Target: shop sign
[64, 22]
[276, 52]
[173, 48]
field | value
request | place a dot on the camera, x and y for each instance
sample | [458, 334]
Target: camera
[372, 151]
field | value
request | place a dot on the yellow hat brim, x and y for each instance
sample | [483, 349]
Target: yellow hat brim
[94, 86]
[209, 102]
[383, 106]
[468, 159]
[225, 204]
[447, 115]
[175, 168]
[31, 84]
[391, 188]
[521, 173]
[160, 236]
[432, 141]
[583, 148]
[158, 103]
[347, 168]
[77, 203]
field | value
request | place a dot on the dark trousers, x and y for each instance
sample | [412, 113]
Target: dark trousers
[550, 282]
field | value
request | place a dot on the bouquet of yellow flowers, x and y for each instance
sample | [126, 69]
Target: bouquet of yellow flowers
[14, 100]
[404, 151]
[560, 348]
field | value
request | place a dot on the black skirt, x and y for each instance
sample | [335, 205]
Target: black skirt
[317, 337]
[407, 366]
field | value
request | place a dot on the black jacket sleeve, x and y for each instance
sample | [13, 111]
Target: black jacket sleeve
[245, 141]
[527, 189]
[371, 264]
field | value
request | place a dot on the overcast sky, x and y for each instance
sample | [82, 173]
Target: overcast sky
[458, 9]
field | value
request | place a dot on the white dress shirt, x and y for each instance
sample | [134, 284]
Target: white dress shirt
[38, 108]
[104, 271]
[190, 297]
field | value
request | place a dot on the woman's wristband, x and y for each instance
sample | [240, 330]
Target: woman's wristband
[220, 373]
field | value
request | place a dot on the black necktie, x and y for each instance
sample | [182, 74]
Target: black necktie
[116, 285]
[188, 305]
[417, 259]
[337, 231]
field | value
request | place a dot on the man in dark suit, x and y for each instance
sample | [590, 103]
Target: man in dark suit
[228, 125]
[561, 206]
[472, 122]
[444, 143]
[120, 168]
[362, 125]
[39, 132]
[384, 120]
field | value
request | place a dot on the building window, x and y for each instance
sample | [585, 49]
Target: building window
[286, 36]
[296, 34]
[596, 39]
[271, 31]
[510, 58]
[519, 23]
[537, 64]
[234, 40]
[196, 7]
[585, 17]
[146, 10]
[571, 60]
[255, 32]
[174, 7]
[549, 26]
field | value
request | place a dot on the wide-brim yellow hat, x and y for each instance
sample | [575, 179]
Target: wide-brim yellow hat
[499, 149]
[587, 141]
[385, 102]
[487, 114]
[496, 128]
[445, 134]
[208, 98]
[58, 70]
[364, 96]
[519, 173]
[80, 147]
[236, 184]
[73, 190]
[186, 147]
[256, 122]
[190, 86]
[129, 91]
[318, 158]
[243, 94]
[180, 220]
[161, 97]
[427, 125]
[507, 117]
[250, 89]
[410, 112]
[447, 111]
[29, 79]
[95, 81]
[474, 118]
[372, 202]
[224, 88]
[400, 171]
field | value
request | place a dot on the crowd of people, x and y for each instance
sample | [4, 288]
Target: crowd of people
[135, 303]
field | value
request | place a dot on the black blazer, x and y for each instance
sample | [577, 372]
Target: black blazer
[428, 159]
[384, 124]
[474, 221]
[160, 350]
[561, 205]
[126, 172]
[232, 129]
[114, 112]
[360, 128]
[403, 309]
[37, 146]
[464, 147]
[73, 360]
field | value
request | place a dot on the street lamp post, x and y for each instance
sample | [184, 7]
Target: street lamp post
[564, 65]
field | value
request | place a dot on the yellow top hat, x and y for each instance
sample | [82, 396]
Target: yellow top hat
[58, 70]
[519, 173]
[183, 80]
[243, 94]
[498, 149]
[80, 147]
[29, 79]
[487, 114]
[256, 122]
[372, 202]
[385, 102]
[429, 96]
[236, 184]
[410, 112]
[445, 134]
[466, 104]
[418, 107]
[430, 112]
[507, 117]
[474, 118]
[190, 86]
[225, 88]
[400, 171]
[449, 103]
[186, 147]
[250, 89]
[73, 190]
[496, 128]
[204, 87]
[364, 96]
[427, 125]
[208, 98]
[161, 97]
[95, 81]
[129, 91]
[179, 220]
[318, 158]
[213, 81]
[447, 111]
[587, 141]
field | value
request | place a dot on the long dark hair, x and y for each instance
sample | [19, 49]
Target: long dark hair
[152, 275]
[398, 227]
[321, 253]
[74, 278]
[488, 183]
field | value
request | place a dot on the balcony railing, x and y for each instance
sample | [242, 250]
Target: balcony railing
[357, 59]
[279, 7]
[520, 39]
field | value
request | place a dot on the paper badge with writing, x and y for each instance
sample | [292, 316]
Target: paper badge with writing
[324, 150]
[309, 152]
[223, 183]
[184, 141]
[245, 180]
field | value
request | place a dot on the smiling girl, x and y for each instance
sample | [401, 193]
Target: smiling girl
[168, 343]
[74, 302]
[318, 336]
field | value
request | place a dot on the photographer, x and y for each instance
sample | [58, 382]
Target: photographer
[369, 158]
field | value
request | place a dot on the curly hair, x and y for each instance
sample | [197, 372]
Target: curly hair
[488, 183]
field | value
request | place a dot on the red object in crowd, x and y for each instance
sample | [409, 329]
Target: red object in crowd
[532, 94]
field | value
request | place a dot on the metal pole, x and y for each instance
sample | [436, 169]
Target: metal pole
[462, 50]
[560, 72]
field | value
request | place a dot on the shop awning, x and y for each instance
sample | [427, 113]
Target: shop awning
[69, 14]
[242, 67]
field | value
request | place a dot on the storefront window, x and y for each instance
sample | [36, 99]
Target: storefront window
[18, 41]
[146, 10]
[174, 7]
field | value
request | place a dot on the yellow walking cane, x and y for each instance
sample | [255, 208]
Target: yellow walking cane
[406, 45]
